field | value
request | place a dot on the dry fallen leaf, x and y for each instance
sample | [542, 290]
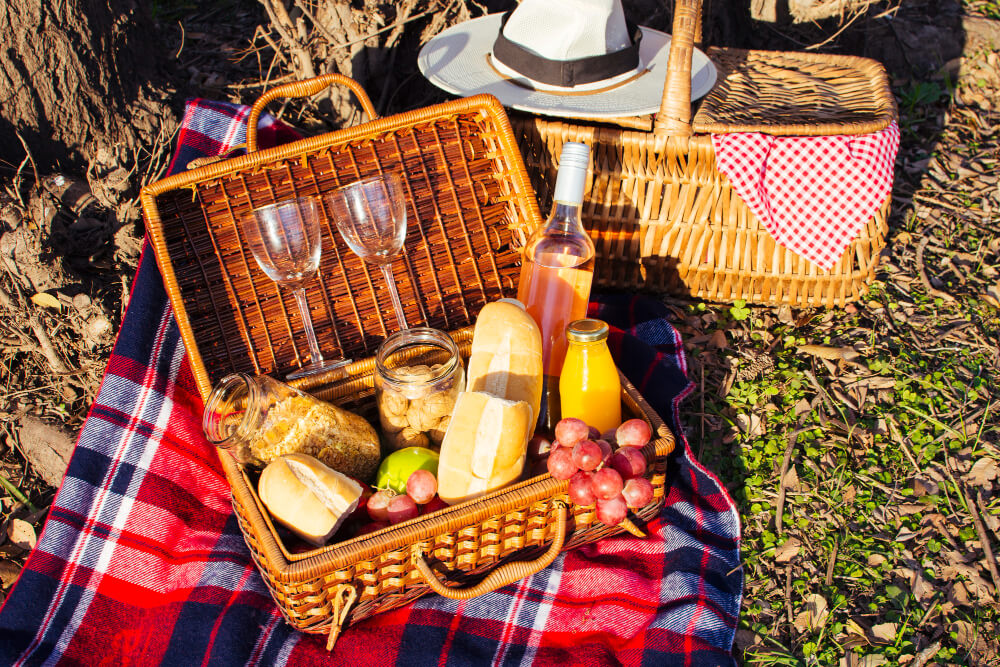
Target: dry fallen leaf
[791, 479]
[983, 472]
[815, 614]
[751, 425]
[21, 534]
[718, 341]
[923, 486]
[849, 493]
[975, 583]
[788, 550]
[958, 593]
[45, 300]
[967, 634]
[885, 632]
[9, 572]
[802, 407]
[906, 509]
[830, 353]
[852, 627]
[875, 382]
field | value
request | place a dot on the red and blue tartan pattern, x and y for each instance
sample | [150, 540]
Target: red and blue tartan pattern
[141, 560]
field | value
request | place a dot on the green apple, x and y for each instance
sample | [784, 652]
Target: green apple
[396, 468]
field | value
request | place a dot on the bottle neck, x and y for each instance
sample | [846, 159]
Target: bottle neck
[588, 344]
[565, 215]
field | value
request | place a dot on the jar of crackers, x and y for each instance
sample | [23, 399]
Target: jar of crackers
[418, 375]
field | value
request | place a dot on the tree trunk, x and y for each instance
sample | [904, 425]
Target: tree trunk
[74, 79]
[360, 40]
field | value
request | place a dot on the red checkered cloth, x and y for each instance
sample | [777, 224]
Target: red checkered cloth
[813, 194]
[141, 560]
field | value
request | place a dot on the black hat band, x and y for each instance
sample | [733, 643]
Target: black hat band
[567, 73]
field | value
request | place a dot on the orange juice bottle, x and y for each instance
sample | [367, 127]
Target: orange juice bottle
[557, 270]
[589, 388]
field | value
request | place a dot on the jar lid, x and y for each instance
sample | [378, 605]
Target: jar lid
[586, 331]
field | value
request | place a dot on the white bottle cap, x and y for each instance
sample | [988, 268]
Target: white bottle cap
[572, 173]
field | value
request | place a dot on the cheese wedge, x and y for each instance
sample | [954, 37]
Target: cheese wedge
[484, 447]
[506, 355]
[309, 498]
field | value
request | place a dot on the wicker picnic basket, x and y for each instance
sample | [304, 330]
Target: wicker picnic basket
[469, 206]
[664, 218]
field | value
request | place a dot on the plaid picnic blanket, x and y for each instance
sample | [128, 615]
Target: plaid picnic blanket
[141, 560]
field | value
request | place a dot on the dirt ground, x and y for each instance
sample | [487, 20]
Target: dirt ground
[70, 245]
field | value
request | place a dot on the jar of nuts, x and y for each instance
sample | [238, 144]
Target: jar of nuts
[418, 375]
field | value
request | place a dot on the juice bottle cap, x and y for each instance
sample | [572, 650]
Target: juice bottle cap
[586, 331]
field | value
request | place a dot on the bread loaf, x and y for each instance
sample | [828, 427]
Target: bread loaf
[506, 355]
[307, 497]
[484, 447]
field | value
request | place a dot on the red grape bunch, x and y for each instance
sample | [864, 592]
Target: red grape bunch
[386, 507]
[598, 475]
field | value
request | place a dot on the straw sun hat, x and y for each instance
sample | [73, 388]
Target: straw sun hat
[572, 58]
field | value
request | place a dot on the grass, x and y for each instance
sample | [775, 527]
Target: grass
[853, 469]
[860, 479]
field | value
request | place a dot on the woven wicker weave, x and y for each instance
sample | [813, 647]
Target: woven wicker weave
[664, 219]
[469, 203]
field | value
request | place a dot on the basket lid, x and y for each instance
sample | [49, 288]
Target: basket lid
[795, 94]
[469, 206]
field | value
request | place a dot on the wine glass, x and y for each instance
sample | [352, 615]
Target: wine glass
[371, 216]
[285, 240]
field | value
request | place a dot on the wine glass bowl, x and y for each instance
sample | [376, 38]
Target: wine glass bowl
[287, 248]
[285, 240]
[371, 217]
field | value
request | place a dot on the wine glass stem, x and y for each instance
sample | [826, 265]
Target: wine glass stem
[396, 303]
[300, 298]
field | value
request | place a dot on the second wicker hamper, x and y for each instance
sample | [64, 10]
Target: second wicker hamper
[664, 219]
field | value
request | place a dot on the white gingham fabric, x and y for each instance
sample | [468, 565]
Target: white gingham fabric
[813, 194]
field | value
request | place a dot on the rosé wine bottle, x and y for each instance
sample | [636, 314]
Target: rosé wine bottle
[556, 274]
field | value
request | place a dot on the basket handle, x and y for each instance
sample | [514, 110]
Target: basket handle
[674, 116]
[306, 88]
[503, 575]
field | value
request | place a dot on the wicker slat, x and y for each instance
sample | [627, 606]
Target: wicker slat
[664, 219]
[469, 207]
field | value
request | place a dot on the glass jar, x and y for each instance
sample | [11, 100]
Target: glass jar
[257, 419]
[589, 386]
[418, 376]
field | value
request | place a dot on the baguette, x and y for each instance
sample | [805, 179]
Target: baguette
[506, 355]
[484, 447]
[309, 498]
